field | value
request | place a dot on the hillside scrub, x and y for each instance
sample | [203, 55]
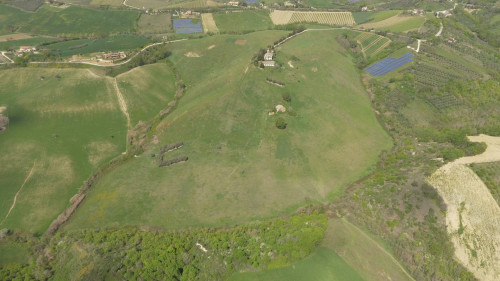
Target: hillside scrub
[200, 254]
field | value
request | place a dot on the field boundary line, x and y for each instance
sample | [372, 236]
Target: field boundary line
[121, 102]
[19, 191]
[380, 247]
[373, 42]
[383, 46]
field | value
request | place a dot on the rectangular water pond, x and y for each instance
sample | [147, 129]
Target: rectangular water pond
[389, 64]
[187, 26]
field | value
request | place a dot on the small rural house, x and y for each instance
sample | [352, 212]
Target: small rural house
[269, 55]
[268, 59]
[26, 49]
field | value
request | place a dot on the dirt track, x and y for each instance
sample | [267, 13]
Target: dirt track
[472, 215]
[19, 191]
[121, 102]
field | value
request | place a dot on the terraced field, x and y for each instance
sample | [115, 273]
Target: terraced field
[329, 18]
[372, 43]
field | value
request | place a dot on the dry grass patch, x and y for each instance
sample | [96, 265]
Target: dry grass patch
[330, 18]
[209, 23]
[192, 55]
[15, 36]
[394, 20]
[241, 42]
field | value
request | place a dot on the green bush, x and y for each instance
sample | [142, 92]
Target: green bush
[286, 97]
[280, 123]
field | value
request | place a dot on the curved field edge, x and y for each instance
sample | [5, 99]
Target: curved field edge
[473, 215]
[238, 160]
[347, 253]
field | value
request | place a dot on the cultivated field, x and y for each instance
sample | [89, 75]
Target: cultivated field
[473, 215]
[208, 22]
[372, 43]
[15, 36]
[35, 41]
[242, 21]
[330, 18]
[73, 20]
[161, 23]
[107, 44]
[397, 23]
[157, 4]
[240, 166]
[64, 124]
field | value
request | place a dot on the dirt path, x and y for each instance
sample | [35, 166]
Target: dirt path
[19, 191]
[440, 30]
[3, 54]
[472, 214]
[121, 102]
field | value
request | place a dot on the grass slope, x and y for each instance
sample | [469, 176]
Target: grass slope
[241, 167]
[73, 20]
[241, 21]
[147, 90]
[323, 265]
[82, 111]
[365, 254]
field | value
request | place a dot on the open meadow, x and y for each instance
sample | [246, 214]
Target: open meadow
[63, 125]
[74, 20]
[242, 21]
[240, 166]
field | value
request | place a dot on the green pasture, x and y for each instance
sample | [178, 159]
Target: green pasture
[35, 41]
[108, 44]
[161, 23]
[63, 124]
[243, 21]
[323, 265]
[409, 25]
[363, 17]
[241, 167]
[366, 253]
[73, 20]
[147, 90]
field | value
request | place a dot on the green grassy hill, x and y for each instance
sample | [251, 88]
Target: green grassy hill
[240, 166]
[72, 21]
[63, 124]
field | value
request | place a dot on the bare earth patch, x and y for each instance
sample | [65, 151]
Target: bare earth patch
[241, 42]
[211, 47]
[16, 36]
[192, 55]
[290, 64]
[472, 216]
[314, 69]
